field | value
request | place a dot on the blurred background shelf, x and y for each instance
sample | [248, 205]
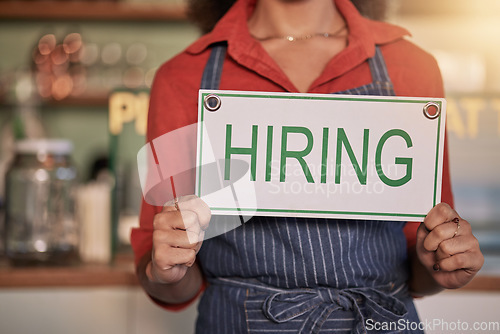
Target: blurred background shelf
[447, 8]
[90, 10]
[84, 101]
[99, 101]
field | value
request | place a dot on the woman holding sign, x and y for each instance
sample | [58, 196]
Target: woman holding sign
[289, 274]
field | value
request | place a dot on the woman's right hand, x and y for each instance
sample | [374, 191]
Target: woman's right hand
[177, 238]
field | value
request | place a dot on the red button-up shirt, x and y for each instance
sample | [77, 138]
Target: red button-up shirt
[174, 93]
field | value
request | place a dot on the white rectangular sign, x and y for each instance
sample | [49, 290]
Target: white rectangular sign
[319, 155]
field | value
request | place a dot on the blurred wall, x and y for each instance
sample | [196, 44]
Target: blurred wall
[463, 36]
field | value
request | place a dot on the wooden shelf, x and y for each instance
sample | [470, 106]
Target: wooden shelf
[81, 276]
[122, 274]
[448, 8]
[94, 101]
[119, 274]
[80, 101]
[483, 283]
[90, 10]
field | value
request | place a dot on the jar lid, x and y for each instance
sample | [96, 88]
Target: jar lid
[54, 146]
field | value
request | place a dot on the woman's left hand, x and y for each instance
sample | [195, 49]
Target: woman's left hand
[447, 248]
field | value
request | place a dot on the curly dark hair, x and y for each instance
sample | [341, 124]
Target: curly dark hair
[206, 13]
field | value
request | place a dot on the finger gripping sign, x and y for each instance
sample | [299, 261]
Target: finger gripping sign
[316, 155]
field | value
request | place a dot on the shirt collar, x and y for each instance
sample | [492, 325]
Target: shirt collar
[232, 28]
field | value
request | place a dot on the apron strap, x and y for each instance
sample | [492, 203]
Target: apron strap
[213, 68]
[378, 68]
[381, 84]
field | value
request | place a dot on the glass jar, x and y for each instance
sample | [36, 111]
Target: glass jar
[40, 224]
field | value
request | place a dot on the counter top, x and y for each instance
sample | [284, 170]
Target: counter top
[483, 283]
[121, 273]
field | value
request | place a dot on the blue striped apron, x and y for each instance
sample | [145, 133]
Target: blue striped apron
[303, 275]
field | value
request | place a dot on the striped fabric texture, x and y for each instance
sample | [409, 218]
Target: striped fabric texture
[298, 275]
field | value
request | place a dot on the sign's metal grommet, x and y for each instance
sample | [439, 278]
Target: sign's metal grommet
[432, 110]
[212, 102]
